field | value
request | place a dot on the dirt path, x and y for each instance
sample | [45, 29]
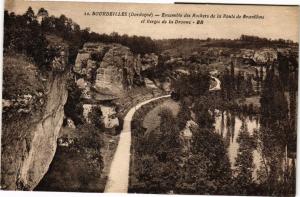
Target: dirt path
[118, 176]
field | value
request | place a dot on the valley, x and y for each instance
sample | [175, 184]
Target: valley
[91, 112]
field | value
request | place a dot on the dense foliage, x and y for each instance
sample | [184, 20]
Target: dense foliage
[245, 41]
[277, 136]
[244, 165]
[22, 33]
[200, 163]
[74, 105]
[95, 117]
[77, 165]
[27, 34]
[235, 85]
[195, 84]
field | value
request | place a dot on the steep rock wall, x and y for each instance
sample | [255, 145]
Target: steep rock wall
[27, 157]
[32, 118]
[45, 134]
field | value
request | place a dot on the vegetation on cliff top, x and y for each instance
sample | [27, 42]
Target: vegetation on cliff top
[20, 76]
[25, 34]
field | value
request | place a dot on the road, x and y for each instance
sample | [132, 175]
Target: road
[118, 176]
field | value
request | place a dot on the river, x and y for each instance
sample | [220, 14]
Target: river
[228, 126]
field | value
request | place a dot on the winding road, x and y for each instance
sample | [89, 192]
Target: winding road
[118, 176]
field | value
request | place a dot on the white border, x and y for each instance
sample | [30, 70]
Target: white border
[272, 2]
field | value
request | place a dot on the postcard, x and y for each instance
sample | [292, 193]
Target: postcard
[150, 98]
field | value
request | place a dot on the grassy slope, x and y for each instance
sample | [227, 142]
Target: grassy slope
[152, 120]
[20, 76]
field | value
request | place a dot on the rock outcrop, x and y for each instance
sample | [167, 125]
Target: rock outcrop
[112, 68]
[31, 125]
[259, 56]
[46, 131]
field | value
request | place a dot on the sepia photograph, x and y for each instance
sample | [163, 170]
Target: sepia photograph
[190, 99]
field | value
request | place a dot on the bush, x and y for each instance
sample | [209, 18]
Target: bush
[74, 107]
[95, 116]
[77, 167]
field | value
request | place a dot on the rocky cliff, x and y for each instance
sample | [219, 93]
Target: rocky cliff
[112, 68]
[32, 117]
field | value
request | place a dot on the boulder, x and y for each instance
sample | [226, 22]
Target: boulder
[149, 61]
[116, 71]
[109, 116]
[70, 123]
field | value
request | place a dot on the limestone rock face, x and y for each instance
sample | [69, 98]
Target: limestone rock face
[27, 154]
[116, 70]
[265, 55]
[260, 55]
[45, 136]
[112, 68]
[109, 116]
[149, 61]
[32, 119]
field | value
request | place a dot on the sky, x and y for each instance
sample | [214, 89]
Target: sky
[279, 21]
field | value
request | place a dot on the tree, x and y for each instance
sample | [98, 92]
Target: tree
[24, 34]
[95, 116]
[74, 107]
[283, 69]
[168, 129]
[273, 135]
[232, 75]
[43, 13]
[29, 15]
[249, 86]
[244, 167]
[183, 116]
[195, 84]
[157, 168]
[203, 118]
[261, 74]
[226, 85]
[216, 178]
